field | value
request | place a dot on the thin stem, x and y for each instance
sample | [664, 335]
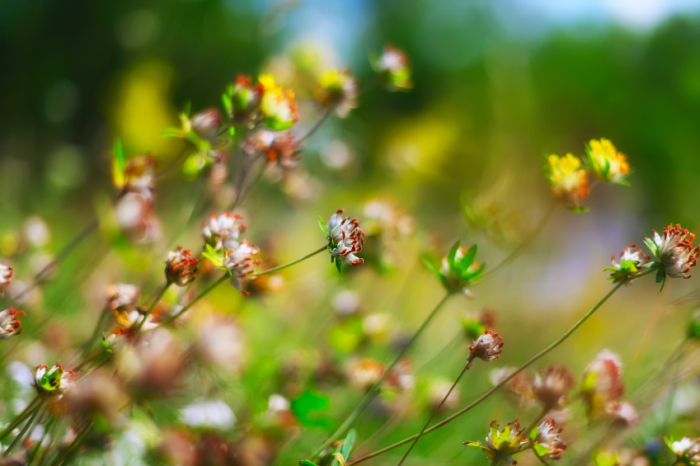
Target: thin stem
[153, 305]
[435, 411]
[245, 191]
[316, 125]
[371, 393]
[47, 431]
[490, 392]
[20, 417]
[522, 247]
[275, 269]
[24, 430]
[174, 163]
[200, 296]
[672, 392]
[76, 443]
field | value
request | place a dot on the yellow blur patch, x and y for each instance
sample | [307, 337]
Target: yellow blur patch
[143, 109]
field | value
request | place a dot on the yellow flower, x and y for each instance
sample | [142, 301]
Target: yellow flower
[337, 90]
[606, 162]
[277, 105]
[569, 181]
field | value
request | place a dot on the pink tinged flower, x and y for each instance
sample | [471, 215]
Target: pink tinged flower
[123, 297]
[346, 238]
[394, 68]
[6, 273]
[487, 347]
[601, 382]
[687, 449]
[337, 90]
[674, 251]
[223, 230]
[631, 263]
[240, 262]
[502, 444]
[207, 123]
[53, 381]
[546, 441]
[280, 148]
[139, 174]
[9, 323]
[551, 387]
[180, 267]
[622, 413]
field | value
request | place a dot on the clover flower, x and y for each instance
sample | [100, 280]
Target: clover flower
[123, 297]
[569, 182]
[546, 441]
[365, 373]
[277, 106]
[223, 230]
[9, 323]
[631, 263]
[345, 237]
[502, 445]
[53, 381]
[601, 382]
[242, 101]
[6, 273]
[337, 90]
[687, 450]
[675, 251]
[487, 347]
[139, 175]
[458, 269]
[280, 148]
[551, 386]
[393, 67]
[239, 261]
[606, 162]
[180, 267]
[622, 413]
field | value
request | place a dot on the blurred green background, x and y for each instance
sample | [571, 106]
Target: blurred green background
[499, 85]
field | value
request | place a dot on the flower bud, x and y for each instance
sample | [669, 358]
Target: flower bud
[458, 269]
[569, 182]
[631, 263]
[551, 386]
[9, 323]
[53, 381]
[242, 101]
[223, 231]
[487, 347]
[502, 444]
[606, 162]
[546, 441]
[180, 268]
[394, 70]
[337, 90]
[207, 123]
[6, 273]
[346, 238]
[601, 382]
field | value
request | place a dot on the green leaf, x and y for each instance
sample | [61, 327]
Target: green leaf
[214, 256]
[118, 164]
[345, 448]
[322, 225]
[651, 245]
[309, 407]
[337, 263]
[451, 256]
[467, 260]
[307, 463]
[660, 276]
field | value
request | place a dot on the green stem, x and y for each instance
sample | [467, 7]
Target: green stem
[490, 392]
[316, 125]
[672, 393]
[76, 443]
[153, 305]
[24, 430]
[281, 267]
[435, 411]
[47, 431]
[20, 417]
[371, 393]
[200, 296]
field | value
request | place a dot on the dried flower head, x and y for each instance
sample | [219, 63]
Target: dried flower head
[606, 162]
[240, 261]
[487, 347]
[53, 381]
[601, 382]
[551, 386]
[180, 267]
[674, 251]
[337, 90]
[394, 69]
[686, 449]
[569, 182]
[9, 323]
[242, 101]
[123, 297]
[6, 273]
[622, 413]
[546, 441]
[278, 109]
[280, 148]
[458, 269]
[630, 265]
[345, 237]
[223, 231]
[502, 444]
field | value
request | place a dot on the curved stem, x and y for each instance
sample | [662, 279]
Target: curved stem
[490, 392]
[522, 247]
[371, 393]
[317, 125]
[71, 448]
[275, 269]
[435, 411]
[200, 296]
[153, 305]
[24, 430]
[174, 163]
[20, 417]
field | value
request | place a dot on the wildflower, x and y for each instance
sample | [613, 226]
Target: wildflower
[139, 175]
[687, 450]
[622, 413]
[278, 109]
[337, 90]
[365, 373]
[123, 297]
[280, 148]
[487, 347]
[240, 261]
[458, 269]
[223, 230]
[9, 323]
[242, 101]
[675, 252]
[569, 182]
[606, 162]
[135, 217]
[393, 67]
[206, 123]
[345, 237]
[180, 268]
[53, 381]
[631, 262]
[546, 441]
[601, 382]
[551, 386]
[5, 277]
[502, 445]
